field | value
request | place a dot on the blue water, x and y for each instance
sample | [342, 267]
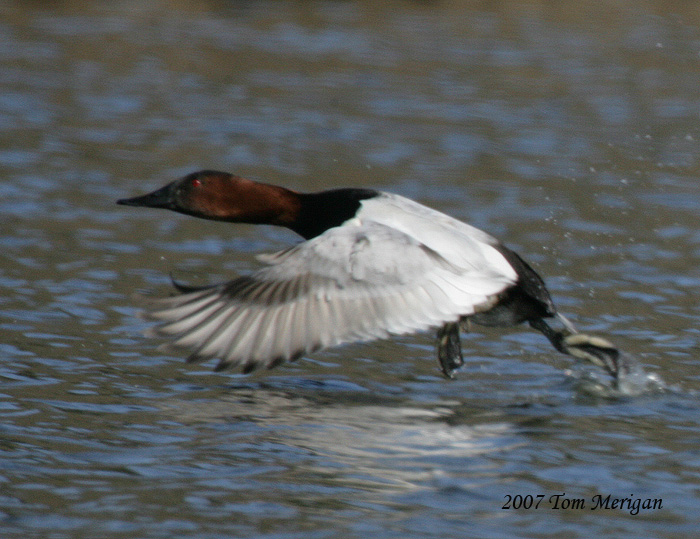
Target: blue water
[569, 131]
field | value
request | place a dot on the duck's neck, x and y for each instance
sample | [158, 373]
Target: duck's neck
[320, 211]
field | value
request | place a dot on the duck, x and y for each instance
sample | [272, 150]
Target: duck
[371, 264]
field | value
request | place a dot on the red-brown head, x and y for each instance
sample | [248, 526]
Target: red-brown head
[222, 196]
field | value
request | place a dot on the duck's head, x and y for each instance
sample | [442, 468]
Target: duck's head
[221, 196]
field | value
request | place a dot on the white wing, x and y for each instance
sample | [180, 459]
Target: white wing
[352, 283]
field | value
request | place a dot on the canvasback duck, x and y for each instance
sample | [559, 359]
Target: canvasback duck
[373, 264]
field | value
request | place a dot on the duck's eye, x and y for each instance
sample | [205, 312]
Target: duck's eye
[196, 183]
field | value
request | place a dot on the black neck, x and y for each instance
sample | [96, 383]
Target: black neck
[328, 209]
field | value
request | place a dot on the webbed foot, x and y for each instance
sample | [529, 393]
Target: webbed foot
[596, 350]
[449, 349]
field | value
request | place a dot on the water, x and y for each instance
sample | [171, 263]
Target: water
[570, 131]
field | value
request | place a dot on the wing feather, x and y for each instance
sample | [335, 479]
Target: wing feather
[352, 283]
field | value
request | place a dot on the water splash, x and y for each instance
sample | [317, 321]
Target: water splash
[631, 380]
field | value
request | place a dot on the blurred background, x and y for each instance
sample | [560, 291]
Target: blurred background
[569, 130]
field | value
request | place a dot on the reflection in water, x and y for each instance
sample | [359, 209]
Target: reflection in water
[385, 446]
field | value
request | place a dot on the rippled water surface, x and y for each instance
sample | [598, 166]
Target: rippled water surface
[567, 129]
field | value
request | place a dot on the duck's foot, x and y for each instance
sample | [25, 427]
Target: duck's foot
[596, 350]
[449, 349]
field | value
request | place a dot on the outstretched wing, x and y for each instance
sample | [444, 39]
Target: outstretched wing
[352, 283]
